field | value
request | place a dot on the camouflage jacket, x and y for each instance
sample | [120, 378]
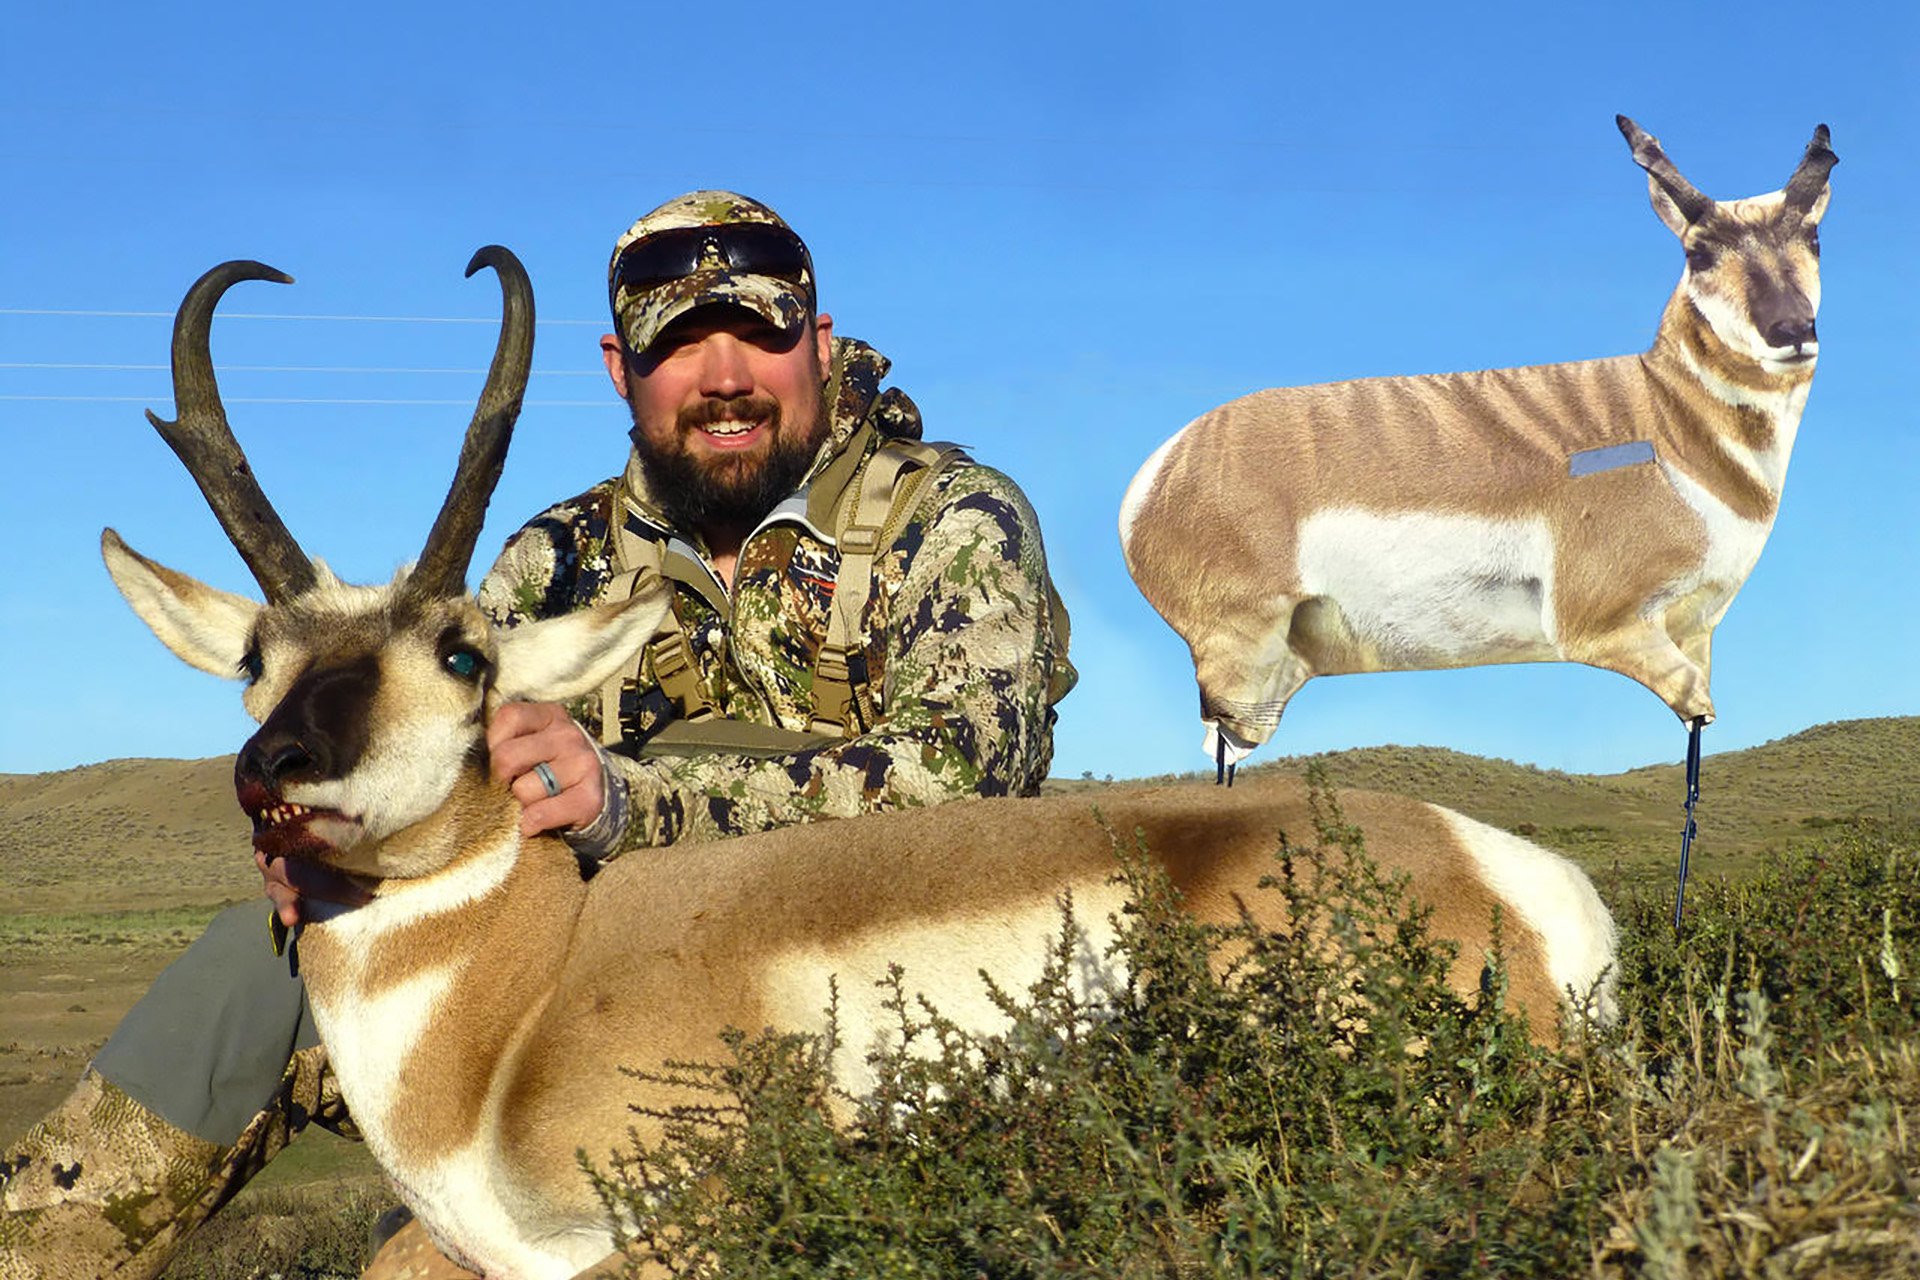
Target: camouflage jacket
[962, 657]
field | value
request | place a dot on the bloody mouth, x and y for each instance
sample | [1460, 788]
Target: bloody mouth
[281, 828]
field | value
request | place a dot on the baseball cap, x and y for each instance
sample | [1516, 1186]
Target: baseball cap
[702, 249]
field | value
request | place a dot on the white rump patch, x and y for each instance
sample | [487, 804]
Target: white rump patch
[1420, 589]
[1555, 899]
[1141, 486]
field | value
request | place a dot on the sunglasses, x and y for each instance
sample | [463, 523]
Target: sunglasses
[750, 248]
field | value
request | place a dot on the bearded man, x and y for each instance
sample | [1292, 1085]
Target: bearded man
[862, 621]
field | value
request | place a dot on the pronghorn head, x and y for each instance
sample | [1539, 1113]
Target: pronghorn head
[372, 700]
[1753, 265]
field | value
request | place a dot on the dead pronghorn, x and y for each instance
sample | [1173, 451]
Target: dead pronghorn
[478, 1008]
[1602, 512]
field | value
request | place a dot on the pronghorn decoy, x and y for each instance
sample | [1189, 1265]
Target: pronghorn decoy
[479, 1009]
[1602, 512]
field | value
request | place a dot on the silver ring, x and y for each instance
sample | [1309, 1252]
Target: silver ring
[547, 780]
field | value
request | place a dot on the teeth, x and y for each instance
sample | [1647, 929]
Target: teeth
[729, 428]
[284, 813]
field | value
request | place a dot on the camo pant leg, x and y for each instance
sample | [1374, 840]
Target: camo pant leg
[104, 1188]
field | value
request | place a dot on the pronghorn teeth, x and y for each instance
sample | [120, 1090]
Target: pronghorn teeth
[284, 813]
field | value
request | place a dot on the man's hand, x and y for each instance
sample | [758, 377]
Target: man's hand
[288, 881]
[525, 734]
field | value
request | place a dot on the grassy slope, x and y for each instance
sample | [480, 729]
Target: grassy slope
[1751, 800]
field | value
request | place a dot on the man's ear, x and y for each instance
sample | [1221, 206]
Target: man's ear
[613, 354]
[823, 342]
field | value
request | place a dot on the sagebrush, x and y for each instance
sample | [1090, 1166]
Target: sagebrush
[1255, 1104]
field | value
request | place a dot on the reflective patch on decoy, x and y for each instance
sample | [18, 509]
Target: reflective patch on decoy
[1588, 461]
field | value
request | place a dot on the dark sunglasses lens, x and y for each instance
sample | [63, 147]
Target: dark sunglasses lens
[764, 251]
[661, 259]
[673, 255]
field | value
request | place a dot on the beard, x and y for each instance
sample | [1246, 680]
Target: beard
[700, 492]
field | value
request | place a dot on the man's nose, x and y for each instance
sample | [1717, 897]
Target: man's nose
[724, 368]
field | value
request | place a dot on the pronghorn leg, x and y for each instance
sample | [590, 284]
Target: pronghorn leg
[1693, 798]
[1246, 675]
[1647, 655]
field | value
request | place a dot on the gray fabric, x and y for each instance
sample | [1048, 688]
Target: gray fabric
[207, 1045]
[1588, 461]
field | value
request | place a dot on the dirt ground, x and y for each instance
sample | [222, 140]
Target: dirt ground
[107, 873]
[57, 1008]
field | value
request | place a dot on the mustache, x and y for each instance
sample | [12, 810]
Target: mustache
[758, 407]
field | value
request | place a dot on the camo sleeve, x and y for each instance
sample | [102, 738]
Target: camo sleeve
[961, 603]
[553, 564]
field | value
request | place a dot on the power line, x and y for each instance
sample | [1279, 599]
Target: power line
[263, 315]
[468, 402]
[284, 368]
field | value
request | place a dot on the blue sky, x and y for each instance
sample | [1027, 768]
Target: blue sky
[1073, 228]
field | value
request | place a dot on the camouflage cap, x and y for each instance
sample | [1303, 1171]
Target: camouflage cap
[663, 268]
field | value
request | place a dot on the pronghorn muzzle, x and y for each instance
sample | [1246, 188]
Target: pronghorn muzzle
[317, 734]
[1782, 314]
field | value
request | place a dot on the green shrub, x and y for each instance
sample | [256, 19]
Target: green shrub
[1256, 1104]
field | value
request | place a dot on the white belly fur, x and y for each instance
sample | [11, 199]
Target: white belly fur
[1419, 589]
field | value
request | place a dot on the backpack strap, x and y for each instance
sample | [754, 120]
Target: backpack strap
[873, 504]
[715, 735]
[635, 556]
[879, 502]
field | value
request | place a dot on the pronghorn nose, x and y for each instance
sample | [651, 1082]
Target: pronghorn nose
[273, 759]
[318, 731]
[1790, 333]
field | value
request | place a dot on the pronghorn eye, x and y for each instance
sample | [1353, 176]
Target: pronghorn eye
[1813, 240]
[1701, 258]
[465, 663]
[251, 666]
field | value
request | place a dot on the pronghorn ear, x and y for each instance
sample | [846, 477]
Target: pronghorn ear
[205, 627]
[1664, 206]
[560, 658]
[1818, 209]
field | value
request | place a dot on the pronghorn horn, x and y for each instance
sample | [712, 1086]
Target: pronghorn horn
[1803, 188]
[442, 567]
[1647, 154]
[205, 443]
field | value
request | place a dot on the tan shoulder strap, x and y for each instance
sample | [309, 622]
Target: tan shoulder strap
[670, 655]
[733, 737]
[880, 501]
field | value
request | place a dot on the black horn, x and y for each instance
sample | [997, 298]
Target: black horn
[1647, 154]
[1803, 188]
[442, 567]
[205, 443]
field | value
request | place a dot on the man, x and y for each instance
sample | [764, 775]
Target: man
[861, 622]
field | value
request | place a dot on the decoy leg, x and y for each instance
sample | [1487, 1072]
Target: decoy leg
[1693, 797]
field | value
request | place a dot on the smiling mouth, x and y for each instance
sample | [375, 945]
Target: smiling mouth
[731, 431]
